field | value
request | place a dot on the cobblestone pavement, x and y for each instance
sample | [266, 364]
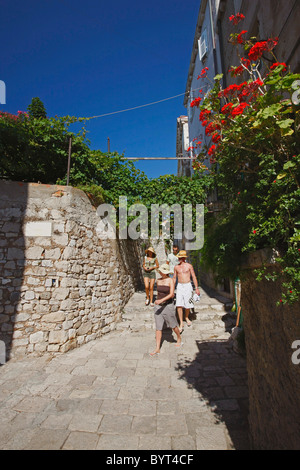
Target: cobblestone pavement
[110, 394]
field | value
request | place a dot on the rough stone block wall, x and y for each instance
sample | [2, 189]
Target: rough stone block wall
[60, 284]
[273, 378]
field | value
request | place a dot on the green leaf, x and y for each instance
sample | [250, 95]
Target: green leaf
[219, 76]
[285, 123]
[287, 132]
[257, 123]
[272, 81]
[288, 165]
[270, 110]
[287, 82]
[281, 176]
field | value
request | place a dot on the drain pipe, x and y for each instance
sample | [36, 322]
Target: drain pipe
[221, 42]
[213, 37]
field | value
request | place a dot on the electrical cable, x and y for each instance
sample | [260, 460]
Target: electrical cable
[141, 106]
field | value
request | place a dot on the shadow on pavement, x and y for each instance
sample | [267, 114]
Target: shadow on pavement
[219, 375]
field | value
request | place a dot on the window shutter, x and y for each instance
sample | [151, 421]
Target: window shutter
[202, 44]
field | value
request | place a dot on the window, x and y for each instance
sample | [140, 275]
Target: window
[202, 45]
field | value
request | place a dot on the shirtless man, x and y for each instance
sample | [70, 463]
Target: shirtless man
[184, 293]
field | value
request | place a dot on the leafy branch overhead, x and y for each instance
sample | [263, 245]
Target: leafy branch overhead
[34, 148]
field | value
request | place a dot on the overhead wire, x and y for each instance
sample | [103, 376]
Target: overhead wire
[142, 106]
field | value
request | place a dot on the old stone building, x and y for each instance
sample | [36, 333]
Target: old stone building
[269, 330]
[212, 50]
[213, 54]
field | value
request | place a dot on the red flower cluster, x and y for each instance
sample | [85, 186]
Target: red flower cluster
[203, 74]
[212, 127]
[230, 90]
[257, 51]
[216, 137]
[13, 117]
[204, 116]
[259, 48]
[237, 18]
[239, 109]
[235, 71]
[212, 150]
[250, 90]
[234, 111]
[241, 40]
[246, 62]
[227, 108]
[195, 102]
[274, 66]
[243, 91]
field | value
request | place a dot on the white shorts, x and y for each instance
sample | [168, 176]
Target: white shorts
[184, 295]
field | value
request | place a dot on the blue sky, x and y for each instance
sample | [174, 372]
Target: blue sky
[87, 58]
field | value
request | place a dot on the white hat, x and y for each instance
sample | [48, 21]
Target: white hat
[164, 268]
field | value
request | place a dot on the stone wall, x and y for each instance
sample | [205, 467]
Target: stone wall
[60, 284]
[274, 380]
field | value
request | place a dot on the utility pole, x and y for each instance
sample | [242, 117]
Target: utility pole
[108, 144]
[69, 161]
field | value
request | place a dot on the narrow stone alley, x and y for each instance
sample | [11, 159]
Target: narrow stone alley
[109, 394]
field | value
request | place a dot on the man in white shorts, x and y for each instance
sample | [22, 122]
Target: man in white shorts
[184, 294]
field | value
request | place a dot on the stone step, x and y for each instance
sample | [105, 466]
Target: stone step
[137, 316]
[199, 307]
[202, 321]
[133, 326]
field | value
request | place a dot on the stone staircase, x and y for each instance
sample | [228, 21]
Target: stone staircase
[137, 316]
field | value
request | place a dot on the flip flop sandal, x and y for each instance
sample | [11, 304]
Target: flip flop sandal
[154, 354]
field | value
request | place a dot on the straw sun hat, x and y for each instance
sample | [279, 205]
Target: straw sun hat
[182, 254]
[150, 249]
[164, 269]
